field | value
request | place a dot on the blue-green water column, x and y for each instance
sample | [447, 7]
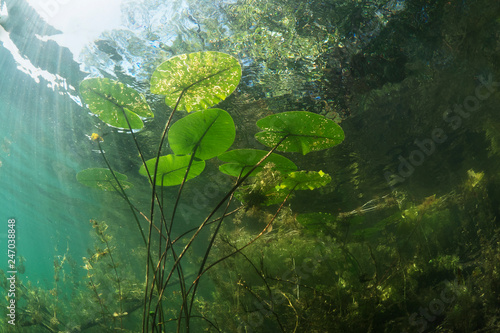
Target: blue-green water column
[43, 145]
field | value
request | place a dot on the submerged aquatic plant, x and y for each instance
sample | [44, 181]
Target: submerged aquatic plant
[196, 82]
[360, 261]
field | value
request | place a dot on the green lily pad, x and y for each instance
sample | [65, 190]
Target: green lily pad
[103, 179]
[110, 100]
[207, 133]
[302, 131]
[203, 79]
[172, 169]
[305, 180]
[241, 161]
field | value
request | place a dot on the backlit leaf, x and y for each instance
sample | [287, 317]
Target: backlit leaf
[111, 101]
[103, 179]
[203, 78]
[172, 169]
[300, 131]
[208, 133]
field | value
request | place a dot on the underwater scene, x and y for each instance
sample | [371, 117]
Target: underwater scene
[250, 166]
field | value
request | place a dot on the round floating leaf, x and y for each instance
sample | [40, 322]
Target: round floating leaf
[172, 169]
[303, 132]
[203, 78]
[103, 179]
[110, 100]
[241, 161]
[305, 180]
[208, 133]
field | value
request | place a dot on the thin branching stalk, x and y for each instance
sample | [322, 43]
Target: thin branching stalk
[226, 197]
[147, 304]
[252, 241]
[122, 191]
[118, 280]
[194, 286]
[104, 310]
[181, 276]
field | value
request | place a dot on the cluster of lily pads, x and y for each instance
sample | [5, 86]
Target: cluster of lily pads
[195, 83]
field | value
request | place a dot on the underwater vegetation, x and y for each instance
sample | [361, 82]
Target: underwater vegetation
[194, 83]
[304, 237]
[107, 288]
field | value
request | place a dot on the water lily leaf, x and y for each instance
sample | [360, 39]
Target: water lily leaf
[110, 100]
[207, 133]
[203, 79]
[172, 169]
[103, 179]
[305, 180]
[241, 161]
[303, 132]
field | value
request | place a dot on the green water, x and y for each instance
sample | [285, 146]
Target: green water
[38, 165]
[404, 238]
